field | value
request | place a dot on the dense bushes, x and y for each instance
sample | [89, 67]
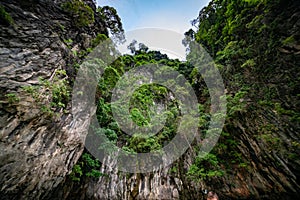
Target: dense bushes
[82, 14]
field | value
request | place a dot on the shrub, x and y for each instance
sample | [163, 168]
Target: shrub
[87, 166]
[5, 17]
[12, 98]
[143, 144]
[204, 168]
[98, 39]
[82, 13]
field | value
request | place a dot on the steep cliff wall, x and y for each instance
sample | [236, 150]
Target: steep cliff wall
[256, 44]
[258, 151]
[39, 139]
[258, 54]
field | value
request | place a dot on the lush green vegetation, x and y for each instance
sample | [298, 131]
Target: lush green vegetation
[141, 112]
[204, 168]
[50, 95]
[112, 21]
[143, 104]
[244, 38]
[86, 166]
[82, 14]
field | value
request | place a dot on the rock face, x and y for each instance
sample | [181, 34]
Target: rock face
[39, 144]
[116, 185]
[38, 147]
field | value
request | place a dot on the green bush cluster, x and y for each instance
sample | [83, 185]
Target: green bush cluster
[12, 98]
[51, 94]
[5, 17]
[81, 13]
[98, 39]
[143, 144]
[87, 166]
[143, 103]
[205, 167]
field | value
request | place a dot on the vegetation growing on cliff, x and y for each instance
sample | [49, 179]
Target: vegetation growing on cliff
[255, 45]
[256, 59]
[234, 33]
[5, 17]
[82, 13]
[142, 103]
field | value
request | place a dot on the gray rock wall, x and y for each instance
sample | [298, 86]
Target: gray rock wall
[38, 147]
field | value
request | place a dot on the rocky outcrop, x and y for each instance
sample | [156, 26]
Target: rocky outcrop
[160, 184]
[39, 142]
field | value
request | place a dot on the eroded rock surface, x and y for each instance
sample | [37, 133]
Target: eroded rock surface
[39, 147]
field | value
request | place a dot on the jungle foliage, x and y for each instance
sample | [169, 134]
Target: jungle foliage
[246, 41]
[255, 55]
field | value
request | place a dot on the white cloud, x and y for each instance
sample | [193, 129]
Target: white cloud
[166, 20]
[166, 41]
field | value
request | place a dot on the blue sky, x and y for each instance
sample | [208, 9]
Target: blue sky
[168, 14]
[172, 15]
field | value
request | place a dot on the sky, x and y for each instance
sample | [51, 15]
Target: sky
[169, 14]
[173, 15]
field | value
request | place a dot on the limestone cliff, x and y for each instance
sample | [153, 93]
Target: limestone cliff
[40, 141]
[41, 43]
